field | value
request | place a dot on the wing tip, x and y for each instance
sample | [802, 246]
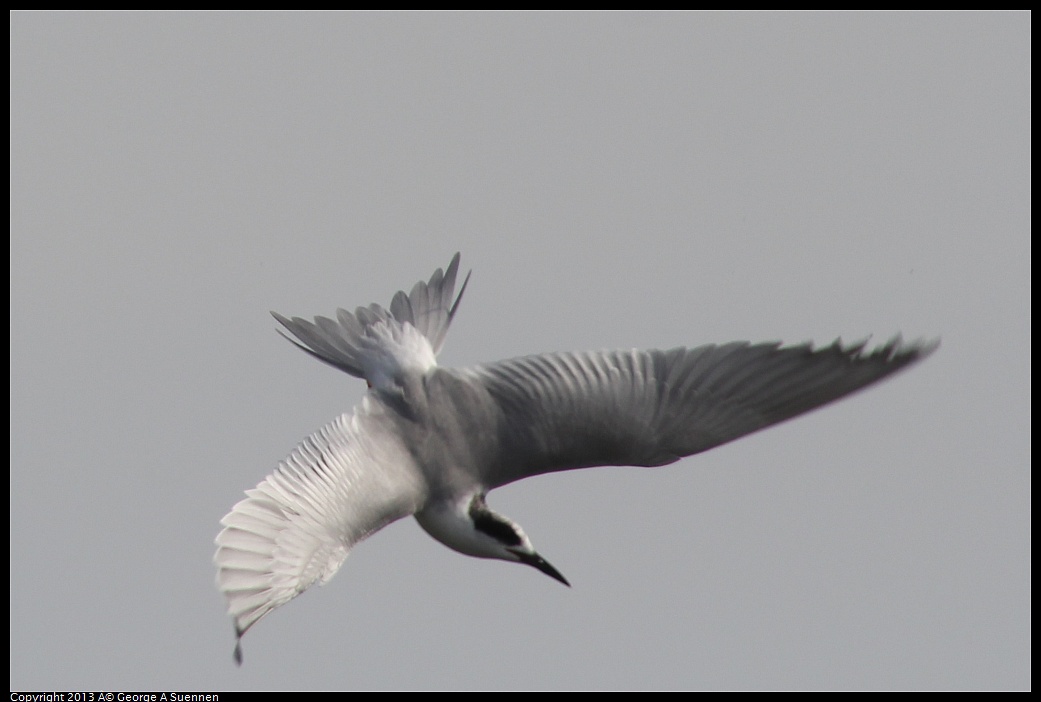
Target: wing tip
[896, 350]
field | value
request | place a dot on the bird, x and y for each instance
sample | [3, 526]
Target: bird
[431, 442]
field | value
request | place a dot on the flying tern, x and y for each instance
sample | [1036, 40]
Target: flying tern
[430, 442]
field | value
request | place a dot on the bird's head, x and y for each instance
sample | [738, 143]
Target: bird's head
[470, 527]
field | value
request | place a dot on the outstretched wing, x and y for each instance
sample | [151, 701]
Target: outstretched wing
[296, 527]
[576, 410]
[373, 342]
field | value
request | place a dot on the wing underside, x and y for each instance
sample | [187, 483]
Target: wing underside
[294, 529]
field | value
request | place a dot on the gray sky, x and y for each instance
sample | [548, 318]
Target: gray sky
[614, 180]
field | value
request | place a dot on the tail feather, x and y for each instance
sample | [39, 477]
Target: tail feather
[354, 342]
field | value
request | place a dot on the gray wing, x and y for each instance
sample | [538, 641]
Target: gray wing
[573, 410]
[341, 484]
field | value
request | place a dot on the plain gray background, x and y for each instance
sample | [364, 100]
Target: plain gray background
[614, 180]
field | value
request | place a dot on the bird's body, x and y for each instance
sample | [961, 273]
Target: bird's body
[431, 442]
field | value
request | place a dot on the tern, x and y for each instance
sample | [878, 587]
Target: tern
[431, 442]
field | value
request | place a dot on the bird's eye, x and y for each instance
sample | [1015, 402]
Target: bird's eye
[487, 522]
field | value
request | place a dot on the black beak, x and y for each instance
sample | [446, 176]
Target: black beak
[537, 561]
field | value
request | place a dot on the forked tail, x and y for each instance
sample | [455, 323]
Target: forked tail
[373, 342]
